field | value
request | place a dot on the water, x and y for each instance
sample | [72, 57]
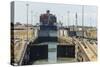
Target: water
[52, 52]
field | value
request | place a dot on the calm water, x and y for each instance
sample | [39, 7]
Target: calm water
[52, 52]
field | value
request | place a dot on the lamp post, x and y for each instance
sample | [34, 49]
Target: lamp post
[68, 18]
[31, 16]
[27, 5]
[76, 22]
[90, 22]
[83, 19]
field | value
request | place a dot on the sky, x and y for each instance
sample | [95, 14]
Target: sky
[35, 9]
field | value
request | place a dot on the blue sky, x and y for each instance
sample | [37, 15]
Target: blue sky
[60, 10]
